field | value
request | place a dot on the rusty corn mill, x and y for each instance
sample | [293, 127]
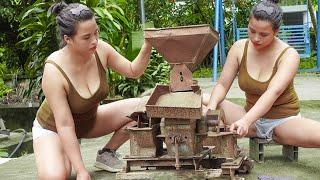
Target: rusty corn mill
[172, 132]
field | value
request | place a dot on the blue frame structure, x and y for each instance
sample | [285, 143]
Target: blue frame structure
[296, 36]
[219, 48]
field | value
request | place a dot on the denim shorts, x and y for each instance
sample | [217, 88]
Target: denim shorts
[265, 126]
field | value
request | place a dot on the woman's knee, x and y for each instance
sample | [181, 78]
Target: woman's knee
[124, 128]
[53, 174]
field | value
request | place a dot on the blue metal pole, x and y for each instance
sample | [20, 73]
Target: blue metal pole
[215, 50]
[318, 37]
[222, 38]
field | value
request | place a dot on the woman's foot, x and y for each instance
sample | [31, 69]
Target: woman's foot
[109, 160]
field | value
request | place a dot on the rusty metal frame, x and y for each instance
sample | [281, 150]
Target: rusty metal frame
[190, 139]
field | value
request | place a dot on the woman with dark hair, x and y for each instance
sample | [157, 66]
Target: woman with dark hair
[74, 82]
[266, 67]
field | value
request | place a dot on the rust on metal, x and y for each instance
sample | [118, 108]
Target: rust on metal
[143, 141]
[183, 45]
[172, 105]
[225, 144]
[172, 115]
[180, 78]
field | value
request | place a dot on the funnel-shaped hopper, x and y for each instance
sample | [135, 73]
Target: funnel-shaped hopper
[183, 45]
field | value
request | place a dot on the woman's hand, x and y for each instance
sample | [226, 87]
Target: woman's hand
[241, 127]
[83, 175]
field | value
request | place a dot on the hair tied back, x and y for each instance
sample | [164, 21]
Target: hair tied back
[58, 7]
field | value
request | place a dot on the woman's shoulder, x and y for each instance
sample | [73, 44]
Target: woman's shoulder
[240, 43]
[237, 48]
[103, 47]
[53, 62]
[51, 74]
[283, 46]
[55, 56]
[104, 44]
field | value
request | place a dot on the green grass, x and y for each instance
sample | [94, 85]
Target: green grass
[307, 166]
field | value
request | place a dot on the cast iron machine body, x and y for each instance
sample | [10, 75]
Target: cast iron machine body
[172, 115]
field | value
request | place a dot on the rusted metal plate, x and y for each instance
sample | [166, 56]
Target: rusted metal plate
[184, 105]
[180, 78]
[190, 144]
[169, 174]
[163, 161]
[225, 144]
[235, 164]
[143, 142]
[186, 44]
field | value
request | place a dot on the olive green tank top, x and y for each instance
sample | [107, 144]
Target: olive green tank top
[84, 110]
[287, 103]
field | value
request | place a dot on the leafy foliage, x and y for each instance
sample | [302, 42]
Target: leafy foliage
[39, 37]
[29, 23]
[308, 63]
[38, 34]
[4, 90]
[11, 55]
[156, 72]
[202, 73]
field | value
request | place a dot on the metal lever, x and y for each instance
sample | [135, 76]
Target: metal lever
[176, 147]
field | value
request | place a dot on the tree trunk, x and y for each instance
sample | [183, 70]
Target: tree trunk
[313, 18]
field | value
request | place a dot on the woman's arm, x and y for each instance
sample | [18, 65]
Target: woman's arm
[287, 69]
[117, 62]
[227, 76]
[54, 90]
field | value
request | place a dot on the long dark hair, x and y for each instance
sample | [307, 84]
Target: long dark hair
[68, 17]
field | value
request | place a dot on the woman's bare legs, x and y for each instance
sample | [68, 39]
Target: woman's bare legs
[301, 132]
[232, 113]
[51, 161]
[112, 117]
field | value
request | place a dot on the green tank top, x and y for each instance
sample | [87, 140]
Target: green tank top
[84, 110]
[287, 103]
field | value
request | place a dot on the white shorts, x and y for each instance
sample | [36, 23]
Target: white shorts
[265, 126]
[39, 131]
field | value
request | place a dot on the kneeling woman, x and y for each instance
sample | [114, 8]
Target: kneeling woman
[74, 82]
